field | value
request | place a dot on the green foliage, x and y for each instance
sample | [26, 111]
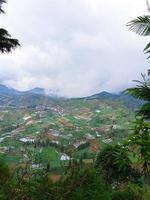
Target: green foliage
[142, 92]
[6, 42]
[132, 192]
[4, 172]
[141, 26]
[115, 164]
[4, 180]
[85, 185]
[139, 142]
[123, 195]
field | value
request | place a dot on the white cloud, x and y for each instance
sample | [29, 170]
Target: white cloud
[77, 47]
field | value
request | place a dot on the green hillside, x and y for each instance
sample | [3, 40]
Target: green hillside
[77, 128]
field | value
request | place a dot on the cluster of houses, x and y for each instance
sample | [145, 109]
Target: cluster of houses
[55, 135]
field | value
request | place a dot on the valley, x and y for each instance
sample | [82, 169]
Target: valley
[48, 136]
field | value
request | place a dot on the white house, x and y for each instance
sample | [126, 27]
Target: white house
[65, 157]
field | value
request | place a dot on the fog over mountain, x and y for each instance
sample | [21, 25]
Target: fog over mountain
[76, 48]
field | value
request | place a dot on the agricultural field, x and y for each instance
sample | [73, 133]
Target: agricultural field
[47, 138]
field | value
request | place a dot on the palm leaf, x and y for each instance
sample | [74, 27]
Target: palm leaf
[147, 47]
[140, 25]
[140, 92]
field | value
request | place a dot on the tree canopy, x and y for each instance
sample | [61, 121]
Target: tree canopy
[7, 43]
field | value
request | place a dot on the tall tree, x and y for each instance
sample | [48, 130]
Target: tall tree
[114, 163]
[7, 44]
[141, 26]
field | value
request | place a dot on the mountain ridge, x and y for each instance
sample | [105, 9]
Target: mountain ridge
[38, 97]
[41, 91]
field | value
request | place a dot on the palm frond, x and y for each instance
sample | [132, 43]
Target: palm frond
[140, 92]
[147, 49]
[140, 25]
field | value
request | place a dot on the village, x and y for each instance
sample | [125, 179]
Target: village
[51, 137]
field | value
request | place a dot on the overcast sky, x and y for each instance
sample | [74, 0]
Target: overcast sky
[73, 47]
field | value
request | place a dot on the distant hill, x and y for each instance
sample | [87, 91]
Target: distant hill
[38, 97]
[104, 95]
[6, 90]
[127, 100]
[37, 90]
